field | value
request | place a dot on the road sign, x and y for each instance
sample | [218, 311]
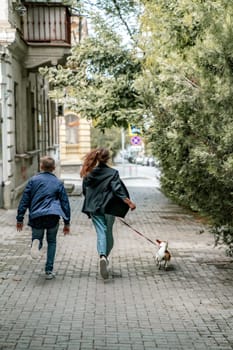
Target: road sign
[134, 130]
[135, 140]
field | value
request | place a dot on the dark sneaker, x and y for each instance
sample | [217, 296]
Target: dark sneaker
[35, 252]
[103, 267]
[49, 275]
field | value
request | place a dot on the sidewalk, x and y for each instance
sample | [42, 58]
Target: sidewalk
[189, 306]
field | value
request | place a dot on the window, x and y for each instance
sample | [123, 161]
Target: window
[72, 128]
[18, 144]
[0, 132]
[31, 142]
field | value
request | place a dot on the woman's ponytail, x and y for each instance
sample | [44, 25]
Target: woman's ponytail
[98, 155]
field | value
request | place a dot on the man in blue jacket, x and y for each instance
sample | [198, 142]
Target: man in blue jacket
[46, 199]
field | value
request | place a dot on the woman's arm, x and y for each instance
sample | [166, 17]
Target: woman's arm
[120, 190]
[131, 204]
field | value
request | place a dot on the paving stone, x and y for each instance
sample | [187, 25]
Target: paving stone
[188, 306]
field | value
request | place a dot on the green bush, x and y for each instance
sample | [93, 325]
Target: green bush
[191, 106]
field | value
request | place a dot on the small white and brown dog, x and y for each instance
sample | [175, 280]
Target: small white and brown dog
[162, 254]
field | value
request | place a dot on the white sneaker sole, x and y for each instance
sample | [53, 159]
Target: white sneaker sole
[103, 269]
[35, 253]
[50, 276]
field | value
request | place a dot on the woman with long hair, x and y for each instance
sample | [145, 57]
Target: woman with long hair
[105, 196]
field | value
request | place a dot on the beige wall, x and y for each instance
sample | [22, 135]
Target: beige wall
[29, 125]
[73, 153]
[20, 92]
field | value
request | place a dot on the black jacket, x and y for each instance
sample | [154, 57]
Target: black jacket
[104, 192]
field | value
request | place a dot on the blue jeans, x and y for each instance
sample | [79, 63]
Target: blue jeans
[103, 225]
[51, 236]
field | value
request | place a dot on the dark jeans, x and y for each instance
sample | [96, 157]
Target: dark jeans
[51, 237]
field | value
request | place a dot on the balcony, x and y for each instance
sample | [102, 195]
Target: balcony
[46, 29]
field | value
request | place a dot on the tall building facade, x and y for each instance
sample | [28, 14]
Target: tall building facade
[32, 34]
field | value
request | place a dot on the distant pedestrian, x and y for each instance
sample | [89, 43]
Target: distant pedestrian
[105, 196]
[46, 199]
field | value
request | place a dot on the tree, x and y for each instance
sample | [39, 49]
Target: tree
[110, 138]
[98, 80]
[188, 79]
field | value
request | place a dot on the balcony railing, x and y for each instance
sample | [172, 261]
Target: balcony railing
[45, 23]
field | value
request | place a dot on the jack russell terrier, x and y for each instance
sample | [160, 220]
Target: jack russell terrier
[162, 254]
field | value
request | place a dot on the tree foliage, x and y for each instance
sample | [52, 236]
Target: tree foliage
[188, 75]
[98, 80]
[110, 138]
[176, 79]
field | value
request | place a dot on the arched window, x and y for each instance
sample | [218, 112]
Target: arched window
[72, 126]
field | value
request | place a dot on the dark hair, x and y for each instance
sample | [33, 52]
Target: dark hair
[47, 163]
[98, 155]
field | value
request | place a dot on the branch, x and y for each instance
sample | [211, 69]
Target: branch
[117, 7]
[191, 82]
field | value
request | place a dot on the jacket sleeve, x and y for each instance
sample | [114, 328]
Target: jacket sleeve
[24, 203]
[65, 204]
[118, 187]
[114, 203]
[84, 185]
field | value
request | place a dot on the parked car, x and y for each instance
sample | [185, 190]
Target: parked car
[151, 161]
[139, 160]
[148, 161]
[145, 161]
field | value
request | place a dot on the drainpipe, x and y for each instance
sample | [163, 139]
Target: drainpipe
[3, 112]
[1, 150]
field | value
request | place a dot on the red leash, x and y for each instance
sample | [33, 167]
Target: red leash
[139, 233]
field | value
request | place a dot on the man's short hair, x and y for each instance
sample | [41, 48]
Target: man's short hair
[47, 163]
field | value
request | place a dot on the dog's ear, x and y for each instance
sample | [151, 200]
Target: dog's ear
[158, 241]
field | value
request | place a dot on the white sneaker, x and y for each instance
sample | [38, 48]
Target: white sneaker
[35, 252]
[103, 267]
[49, 275]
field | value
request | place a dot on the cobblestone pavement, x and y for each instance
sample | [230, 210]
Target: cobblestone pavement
[189, 306]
